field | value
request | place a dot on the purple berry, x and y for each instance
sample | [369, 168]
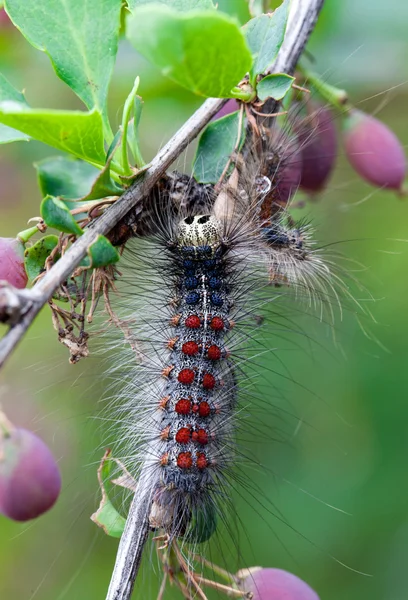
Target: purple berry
[229, 107]
[289, 175]
[275, 584]
[318, 138]
[30, 480]
[12, 262]
[280, 172]
[373, 150]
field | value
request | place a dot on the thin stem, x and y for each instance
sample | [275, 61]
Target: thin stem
[6, 426]
[231, 592]
[336, 97]
[162, 588]
[215, 568]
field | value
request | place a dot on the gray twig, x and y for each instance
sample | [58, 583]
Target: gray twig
[302, 19]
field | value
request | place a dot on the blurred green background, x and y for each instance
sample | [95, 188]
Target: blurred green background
[351, 450]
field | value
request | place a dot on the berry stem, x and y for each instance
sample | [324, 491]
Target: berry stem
[228, 577]
[226, 589]
[25, 235]
[6, 426]
[334, 96]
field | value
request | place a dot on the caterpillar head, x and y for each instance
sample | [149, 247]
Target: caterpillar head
[200, 230]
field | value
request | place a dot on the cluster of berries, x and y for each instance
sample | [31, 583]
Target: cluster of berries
[308, 149]
[373, 150]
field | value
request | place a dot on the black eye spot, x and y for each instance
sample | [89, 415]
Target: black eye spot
[204, 219]
[189, 220]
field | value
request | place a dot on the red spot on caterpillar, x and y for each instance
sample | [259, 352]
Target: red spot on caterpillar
[193, 322]
[183, 406]
[204, 409]
[164, 459]
[171, 343]
[214, 353]
[201, 461]
[183, 435]
[200, 436]
[174, 321]
[217, 324]
[167, 370]
[164, 434]
[208, 381]
[190, 348]
[185, 460]
[186, 376]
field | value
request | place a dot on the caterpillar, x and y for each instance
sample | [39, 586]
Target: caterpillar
[206, 265]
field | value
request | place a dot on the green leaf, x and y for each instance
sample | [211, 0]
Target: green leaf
[274, 86]
[182, 5]
[101, 253]
[81, 39]
[65, 177]
[36, 255]
[56, 214]
[264, 36]
[215, 147]
[74, 180]
[103, 185]
[203, 51]
[107, 517]
[8, 92]
[75, 132]
[8, 134]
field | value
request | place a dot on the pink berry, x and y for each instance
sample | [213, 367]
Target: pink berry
[30, 480]
[12, 262]
[4, 20]
[318, 138]
[275, 584]
[373, 150]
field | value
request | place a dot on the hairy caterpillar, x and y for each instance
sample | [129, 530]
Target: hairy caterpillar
[207, 266]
